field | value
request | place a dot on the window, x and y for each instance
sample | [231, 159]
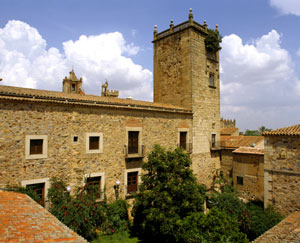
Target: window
[40, 186]
[40, 191]
[36, 146]
[182, 139]
[94, 143]
[75, 139]
[96, 183]
[240, 180]
[212, 79]
[213, 140]
[133, 142]
[96, 179]
[73, 87]
[132, 180]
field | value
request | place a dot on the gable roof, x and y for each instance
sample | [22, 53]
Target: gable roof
[24, 220]
[288, 230]
[290, 131]
[249, 150]
[231, 142]
[36, 95]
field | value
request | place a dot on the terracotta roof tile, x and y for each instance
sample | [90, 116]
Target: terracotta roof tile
[240, 141]
[288, 230]
[249, 150]
[24, 220]
[292, 130]
[16, 93]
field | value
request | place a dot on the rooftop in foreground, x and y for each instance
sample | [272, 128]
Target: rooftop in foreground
[290, 131]
[24, 220]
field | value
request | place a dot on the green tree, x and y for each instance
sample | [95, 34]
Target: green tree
[168, 194]
[252, 133]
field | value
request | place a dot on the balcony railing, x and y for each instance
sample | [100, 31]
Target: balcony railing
[188, 148]
[215, 145]
[140, 152]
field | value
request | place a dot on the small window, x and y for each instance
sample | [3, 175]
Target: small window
[212, 79]
[75, 139]
[94, 143]
[40, 191]
[133, 142]
[182, 139]
[240, 180]
[36, 146]
[132, 182]
[73, 87]
[213, 140]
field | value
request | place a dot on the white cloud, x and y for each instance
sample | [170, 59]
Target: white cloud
[258, 82]
[25, 62]
[287, 6]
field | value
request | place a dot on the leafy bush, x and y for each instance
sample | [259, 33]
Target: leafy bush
[261, 219]
[83, 213]
[168, 194]
[213, 40]
[216, 226]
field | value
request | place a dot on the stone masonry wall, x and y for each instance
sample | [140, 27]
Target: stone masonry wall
[68, 159]
[251, 168]
[282, 173]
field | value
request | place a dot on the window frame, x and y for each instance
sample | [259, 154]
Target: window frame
[213, 83]
[238, 179]
[44, 153]
[140, 136]
[87, 143]
[187, 130]
[139, 179]
[102, 181]
[46, 181]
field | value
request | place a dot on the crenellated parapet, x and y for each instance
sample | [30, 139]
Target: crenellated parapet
[108, 93]
[228, 123]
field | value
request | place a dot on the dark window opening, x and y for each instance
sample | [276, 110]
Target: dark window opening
[40, 191]
[36, 146]
[75, 139]
[240, 180]
[212, 79]
[94, 183]
[73, 87]
[182, 139]
[94, 143]
[132, 182]
[213, 140]
[133, 142]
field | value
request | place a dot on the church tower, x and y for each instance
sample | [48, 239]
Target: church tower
[186, 73]
[72, 84]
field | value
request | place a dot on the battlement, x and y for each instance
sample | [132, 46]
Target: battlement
[227, 123]
[108, 93]
[182, 26]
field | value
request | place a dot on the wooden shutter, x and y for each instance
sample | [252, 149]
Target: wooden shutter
[132, 182]
[133, 142]
[94, 143]
[36, 146]
[182, 142]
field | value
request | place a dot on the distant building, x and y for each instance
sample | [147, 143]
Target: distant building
[282, 169]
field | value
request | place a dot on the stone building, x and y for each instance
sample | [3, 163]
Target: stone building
[282, 169]
[104, 139]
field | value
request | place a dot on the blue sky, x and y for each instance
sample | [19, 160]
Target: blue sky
[41, 40]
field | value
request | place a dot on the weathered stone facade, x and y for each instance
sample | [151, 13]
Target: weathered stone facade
[282, 171]
[185, 101]
[248, 172]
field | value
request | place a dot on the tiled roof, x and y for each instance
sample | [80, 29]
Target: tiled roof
[249, 150]
[35, 95]
[240, 141]
[24, 220]
[228, 130]
[292, 130]
[288, 230]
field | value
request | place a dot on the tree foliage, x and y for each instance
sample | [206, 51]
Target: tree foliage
[83, 213]
[213, 40]
[26, 190]
[168, 194]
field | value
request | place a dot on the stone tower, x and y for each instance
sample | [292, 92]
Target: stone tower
[72, 84]
[187, 74]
